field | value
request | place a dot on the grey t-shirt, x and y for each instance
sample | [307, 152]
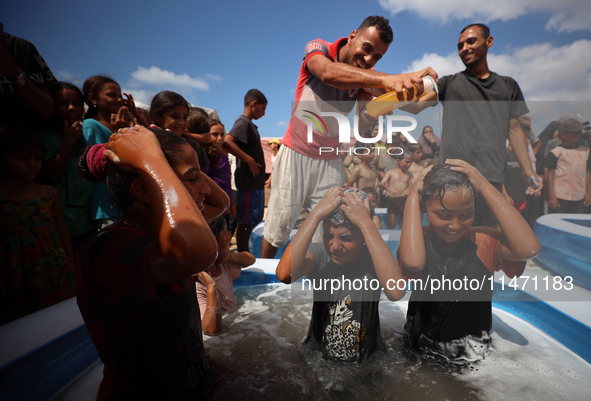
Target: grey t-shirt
[476, 115]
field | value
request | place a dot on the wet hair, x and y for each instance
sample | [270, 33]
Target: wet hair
[14, 141]
[165, 101]
[198, 121]
[440, 180]
[94, 85]
[485, 30]
[217, 225]
[338, 218]
[119, 181]
[382, 25]
[254, 94]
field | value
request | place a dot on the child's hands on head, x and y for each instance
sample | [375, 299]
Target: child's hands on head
[329, 202]
[132, 147]
[356, 210]
[476, 179]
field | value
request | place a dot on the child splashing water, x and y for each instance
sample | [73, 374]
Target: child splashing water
[345, 323]
[36, 260]
[135, 279]
[452, 322]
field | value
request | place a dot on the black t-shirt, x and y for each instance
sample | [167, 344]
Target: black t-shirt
[249, 141]
[346, 323]
[476, 115]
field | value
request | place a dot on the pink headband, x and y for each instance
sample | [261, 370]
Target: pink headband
[97, 163]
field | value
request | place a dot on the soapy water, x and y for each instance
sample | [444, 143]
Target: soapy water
[260, 356]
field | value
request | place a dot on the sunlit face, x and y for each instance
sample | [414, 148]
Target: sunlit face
[366, 48]
[69, 106]
[450, 220]
[188, 171]
[22, 165]
[217, 133]
[175, 120]
[342, 244]
[405, 163]
[472, 46]
[109, 100]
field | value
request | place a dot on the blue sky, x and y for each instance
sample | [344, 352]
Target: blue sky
[213, 52]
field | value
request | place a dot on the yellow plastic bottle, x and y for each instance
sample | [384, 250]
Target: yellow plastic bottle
[389, 101]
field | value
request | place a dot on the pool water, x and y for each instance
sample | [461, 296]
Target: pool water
[261, 357]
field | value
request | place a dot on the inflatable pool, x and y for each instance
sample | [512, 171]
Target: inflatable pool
[566, 246]
[49, 355]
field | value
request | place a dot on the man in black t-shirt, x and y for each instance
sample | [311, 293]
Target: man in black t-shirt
[480, 111]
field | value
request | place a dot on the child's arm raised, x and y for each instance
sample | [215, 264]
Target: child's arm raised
[296, 260]
[520, 242]
[184, 242]
[385, 265]
[411, 246]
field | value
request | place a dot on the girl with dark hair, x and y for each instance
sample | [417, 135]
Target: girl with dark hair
[64, 143]
[170, 111]
[135, 279]
[455, 322]
[37, 267]
[107, 112]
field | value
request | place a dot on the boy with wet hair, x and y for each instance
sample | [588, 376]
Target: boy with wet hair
[345, 322]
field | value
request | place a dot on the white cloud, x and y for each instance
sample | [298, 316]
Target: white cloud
[544, 72]
[282, 123]
[158, 76]
[565, 16]
[213, 77]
